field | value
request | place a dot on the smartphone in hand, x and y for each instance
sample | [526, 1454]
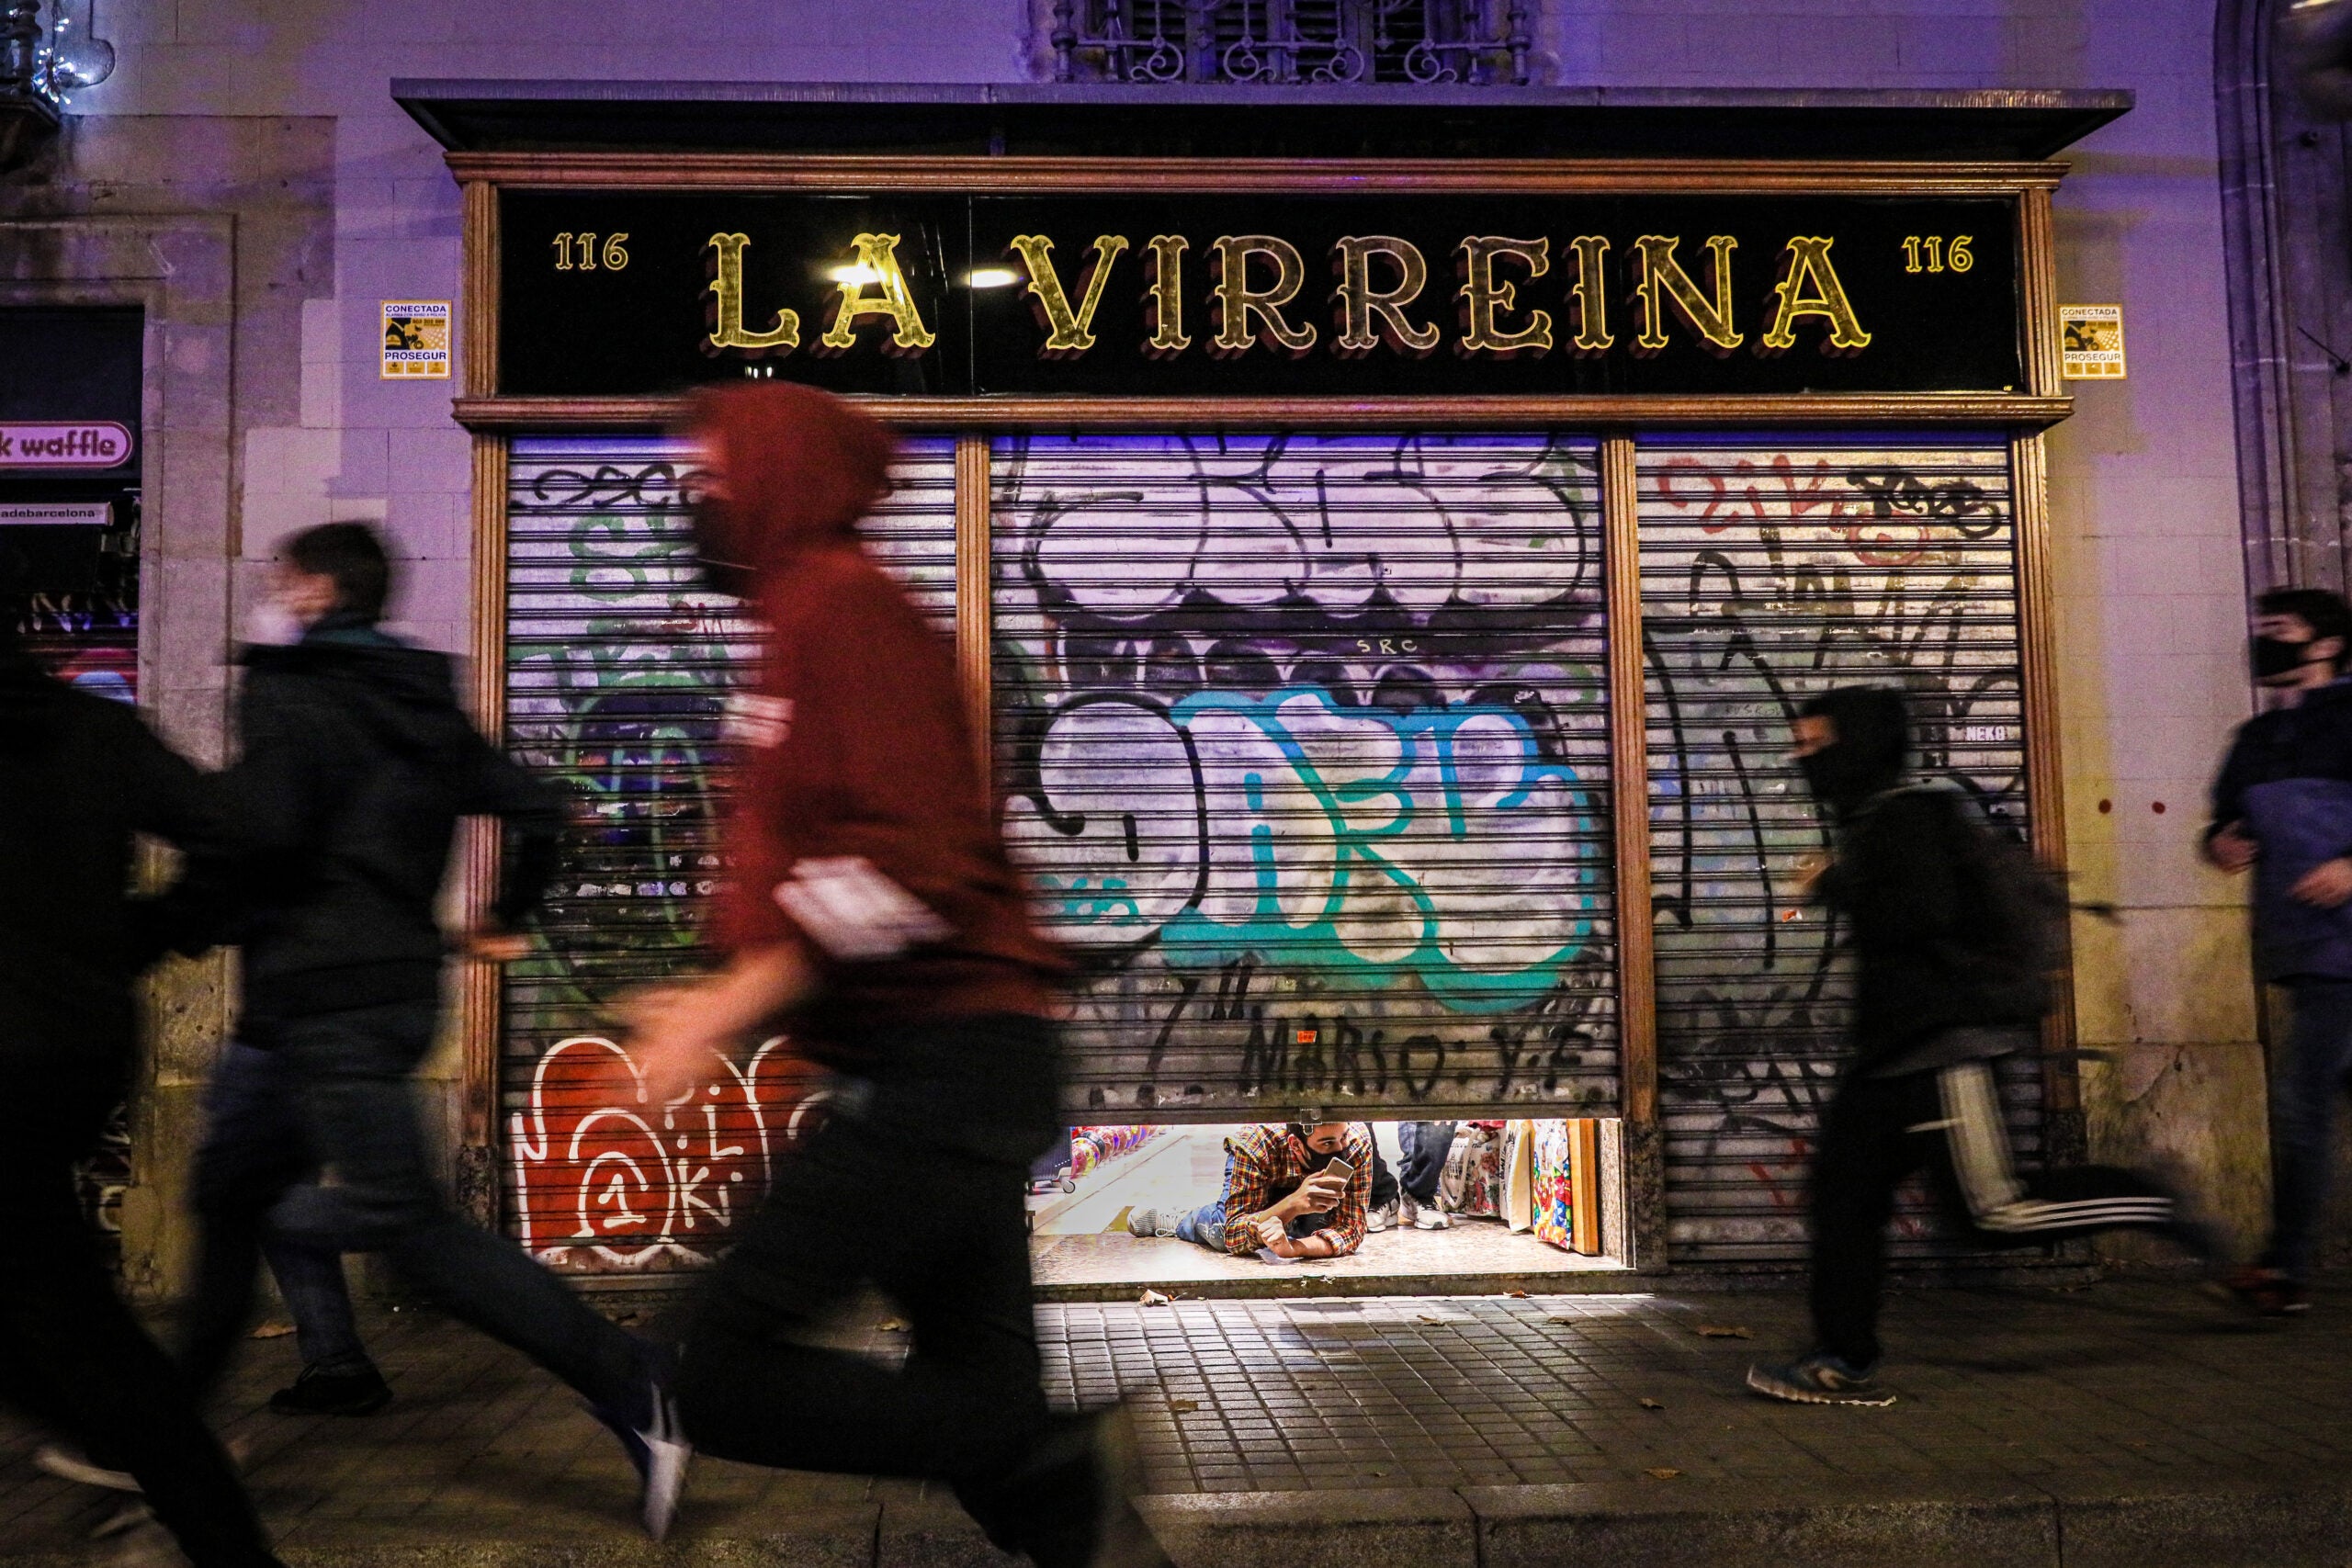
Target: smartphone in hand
[1338, 1168]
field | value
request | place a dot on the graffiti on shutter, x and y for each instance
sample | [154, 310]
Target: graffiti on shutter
[620, 667]
[1771, 572]
[1305, 747]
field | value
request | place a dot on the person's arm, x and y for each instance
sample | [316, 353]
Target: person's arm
[1353, 1216]
[2226, 843]
[675, 1031]
[1248, 1196]
[532, 812]
[170, 799]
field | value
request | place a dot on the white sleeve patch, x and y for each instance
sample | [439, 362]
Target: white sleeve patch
[853, 911]
[756, 721]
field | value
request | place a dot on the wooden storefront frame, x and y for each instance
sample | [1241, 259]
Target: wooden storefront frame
[1613, 419]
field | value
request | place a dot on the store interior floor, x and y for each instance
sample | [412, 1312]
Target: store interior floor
[1081, 1238]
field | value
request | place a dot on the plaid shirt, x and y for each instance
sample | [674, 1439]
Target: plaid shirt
[1263, 1164]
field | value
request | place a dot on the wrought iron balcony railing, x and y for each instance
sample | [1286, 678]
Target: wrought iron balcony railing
[1288, 42]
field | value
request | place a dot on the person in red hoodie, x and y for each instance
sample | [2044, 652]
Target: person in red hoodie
[872, 914]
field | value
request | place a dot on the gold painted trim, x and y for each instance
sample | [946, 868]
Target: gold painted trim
[481, 1016]
[478, 306]
[1078, 413]
[975, 611]
[963, 175]
[2037, 294]
[2045, 779]
[1629, 791]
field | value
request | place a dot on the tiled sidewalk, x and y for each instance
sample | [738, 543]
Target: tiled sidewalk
[2116, 1386]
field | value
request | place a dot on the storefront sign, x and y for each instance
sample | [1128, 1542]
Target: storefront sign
[622, 293]
[63, 444]
[2091, 339]
[56, 513]
[416, 340]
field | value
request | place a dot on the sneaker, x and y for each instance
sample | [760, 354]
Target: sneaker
[660, 1451]
[1430, 1217]
[71, 1464]
[1381, 1219]
[1819, 1378]
[2268, 1292]
[326, 1390]
[1149, 1223]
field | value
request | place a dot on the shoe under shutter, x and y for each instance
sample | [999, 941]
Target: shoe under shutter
[618, 666]
[1771, 572]
[1305, 747]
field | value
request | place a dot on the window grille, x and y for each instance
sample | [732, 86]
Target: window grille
[1294, 42]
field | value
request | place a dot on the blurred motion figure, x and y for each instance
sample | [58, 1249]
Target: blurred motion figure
[1955, 933]
[79, 775]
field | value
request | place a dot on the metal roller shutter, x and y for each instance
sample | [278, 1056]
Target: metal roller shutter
[618, 665]
[1771, 570]
[1305, 746]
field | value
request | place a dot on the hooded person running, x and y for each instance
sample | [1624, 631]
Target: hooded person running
[872, 915]
[1948, 979]
[79, 776]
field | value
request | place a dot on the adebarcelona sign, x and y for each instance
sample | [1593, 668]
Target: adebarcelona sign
[609, 293]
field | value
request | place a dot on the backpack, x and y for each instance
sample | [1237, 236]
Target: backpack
[2019, 932]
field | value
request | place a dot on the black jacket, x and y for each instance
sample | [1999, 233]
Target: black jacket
[1910, 879]
[2288, 785]
[356, 765]
[79, 775]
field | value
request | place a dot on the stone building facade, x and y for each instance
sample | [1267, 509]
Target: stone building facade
[245, 174]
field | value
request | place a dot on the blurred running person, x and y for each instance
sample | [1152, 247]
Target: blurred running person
[356, 764]
[874, 915]
[79, 775]
[1955, 933]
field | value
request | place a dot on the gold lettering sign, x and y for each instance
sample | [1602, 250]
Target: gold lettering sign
[1361, 306]
[1163, 308]
[727, 329]
[1661, 284]
[1068, 333]
[1486, 298]
[877, 267]
[1804, 265]
[1590, 295]
[1233, 303]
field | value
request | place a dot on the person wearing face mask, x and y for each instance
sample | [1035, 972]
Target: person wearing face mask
[2282, 808]
[872, 914]
[1954, 932]
[1280, 1195]
[356, 764]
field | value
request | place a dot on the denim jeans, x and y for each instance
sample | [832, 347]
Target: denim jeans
[1422, 1147]
[2319, 1056]
[253, 1139]
[349, 1077]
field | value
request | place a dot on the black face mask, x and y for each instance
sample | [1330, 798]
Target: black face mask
[2274, 656]
[731, 578]
[1829, 774]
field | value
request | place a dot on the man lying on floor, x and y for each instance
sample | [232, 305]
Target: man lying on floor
[1279, 1195]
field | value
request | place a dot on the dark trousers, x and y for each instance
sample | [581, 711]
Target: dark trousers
[2319, 1057]
[71, 1355]
[914, 1183]
[346, 1086]
[1878, 1132]
[254, 1140]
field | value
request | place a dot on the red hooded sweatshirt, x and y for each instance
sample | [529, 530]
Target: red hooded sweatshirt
[862, 830]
